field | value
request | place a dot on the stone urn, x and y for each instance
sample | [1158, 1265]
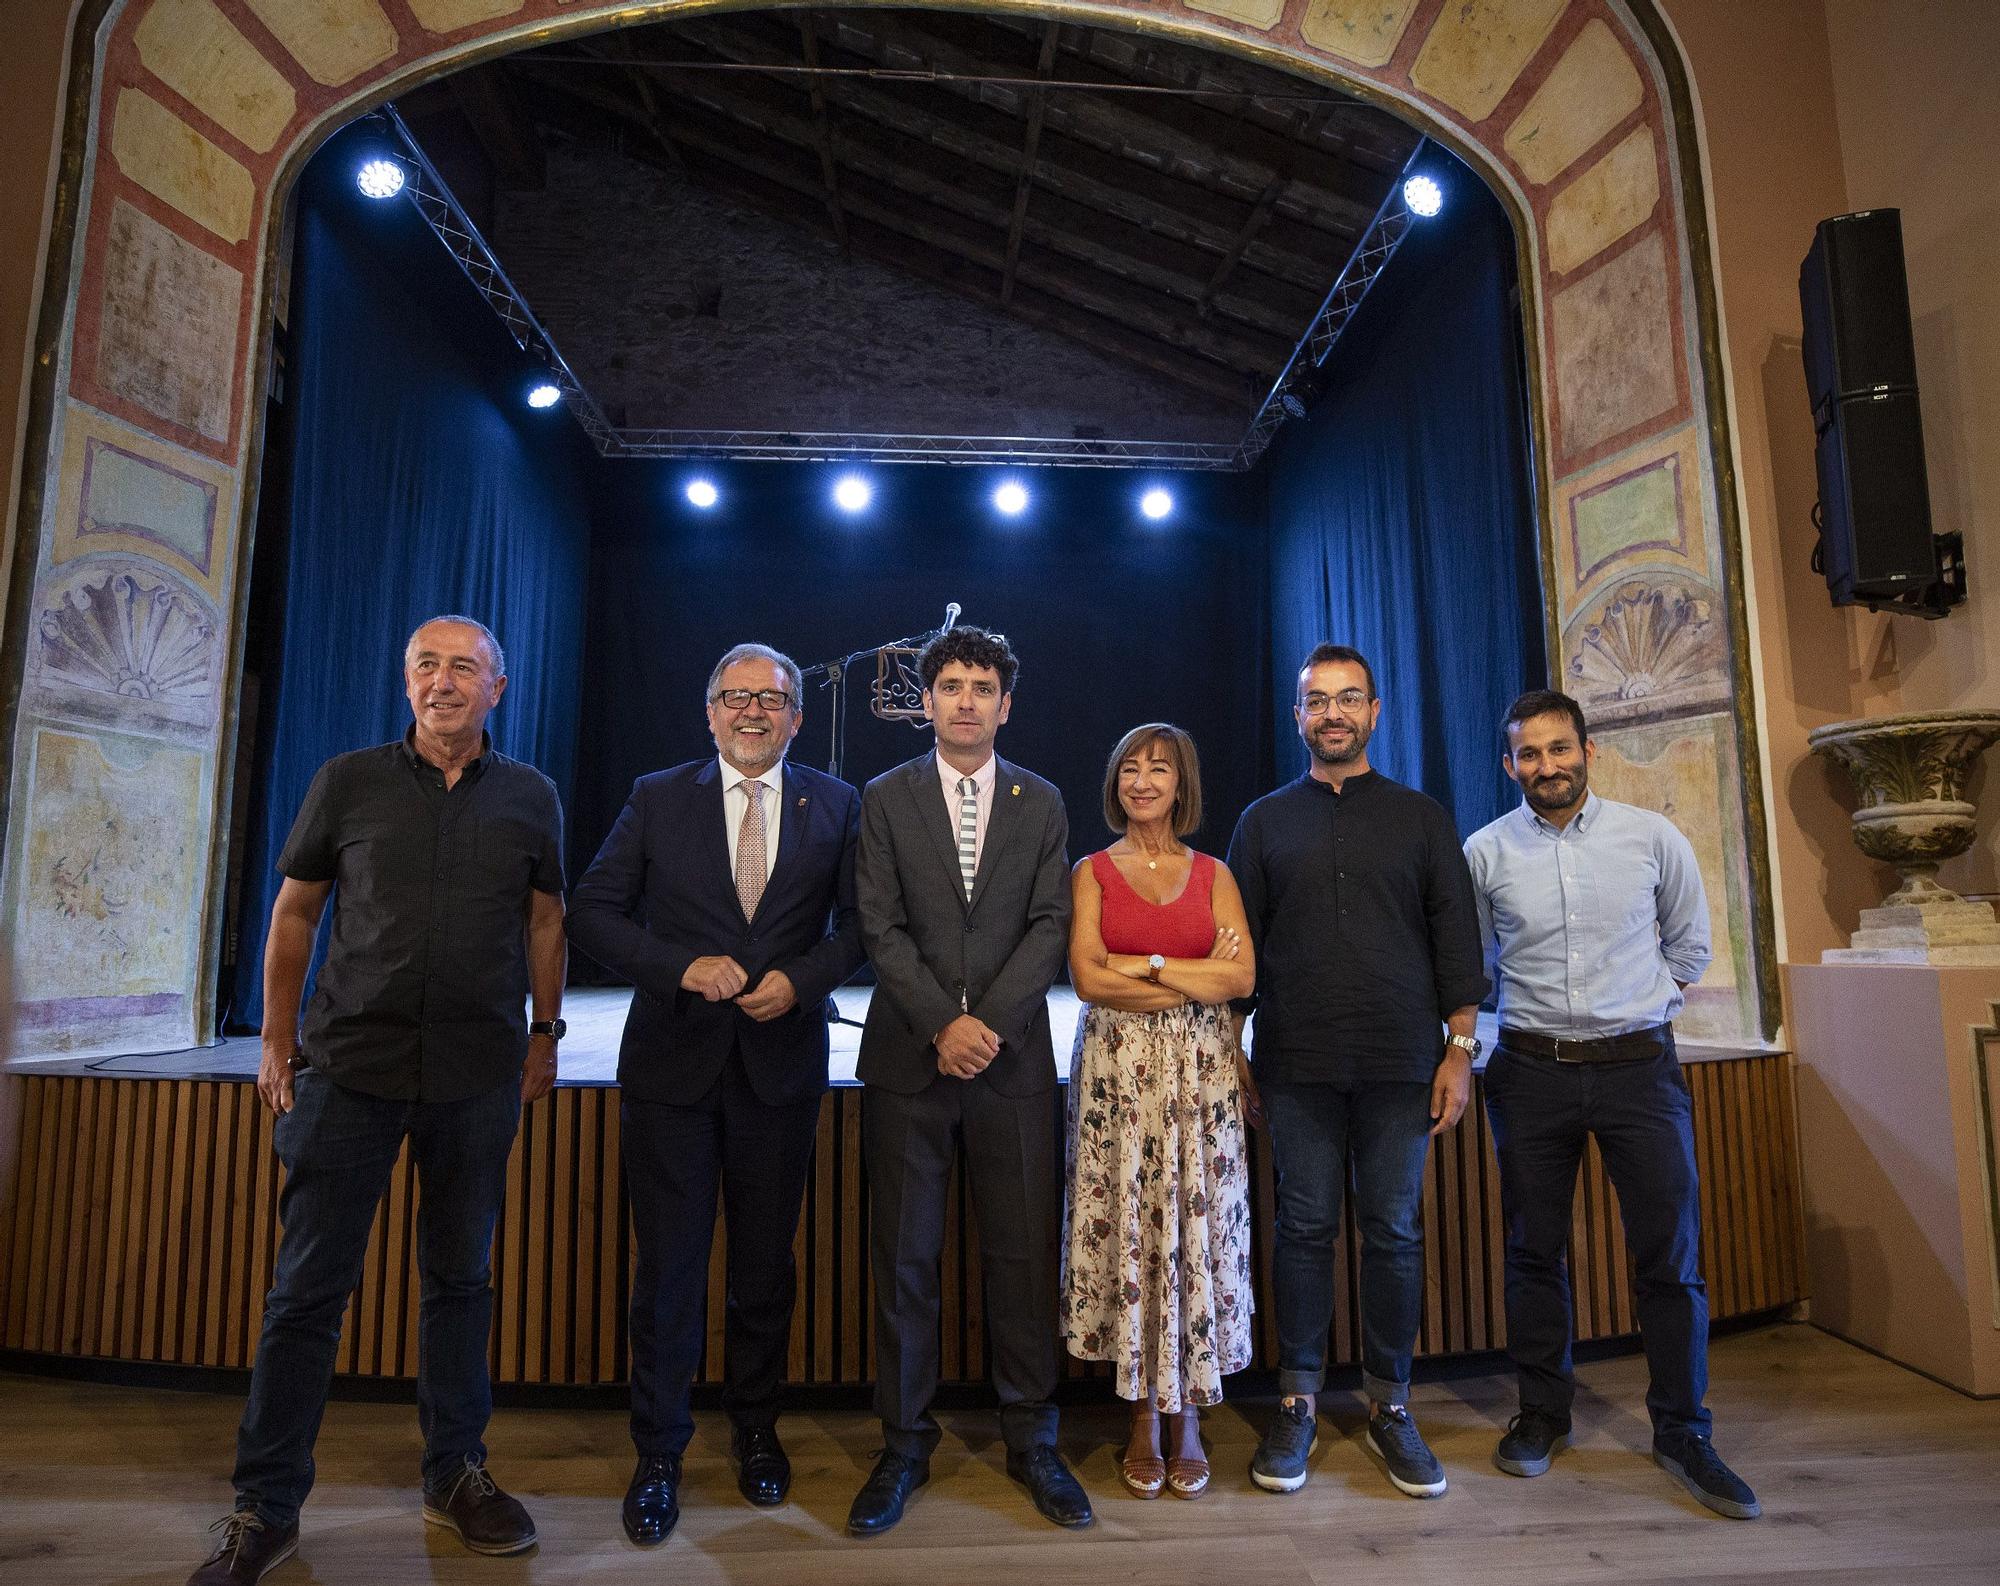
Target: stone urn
[1910, 772]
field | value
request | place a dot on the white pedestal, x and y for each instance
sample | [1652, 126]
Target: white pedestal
[1899, 1126]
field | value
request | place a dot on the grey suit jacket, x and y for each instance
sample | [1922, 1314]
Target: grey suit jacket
[935, 954]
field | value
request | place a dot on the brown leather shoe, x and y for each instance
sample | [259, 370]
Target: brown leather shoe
[249, 1550]
[485, 1518]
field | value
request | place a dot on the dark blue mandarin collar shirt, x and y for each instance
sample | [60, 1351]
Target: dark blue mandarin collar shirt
[1361, 910]
[424, 991]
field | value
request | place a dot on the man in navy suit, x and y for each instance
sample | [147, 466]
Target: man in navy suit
[725, 893]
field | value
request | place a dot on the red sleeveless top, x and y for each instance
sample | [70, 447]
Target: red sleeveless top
[1184, 928]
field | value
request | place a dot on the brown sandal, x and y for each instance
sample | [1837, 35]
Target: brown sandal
[1145, 1475]
[1188, 1478]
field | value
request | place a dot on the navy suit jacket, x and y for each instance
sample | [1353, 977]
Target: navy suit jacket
[661, 893]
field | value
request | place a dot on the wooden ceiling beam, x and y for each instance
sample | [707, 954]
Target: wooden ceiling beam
[1026, 182]
[1105, 183]
[899, 163]
[822, 129]
[506, 135]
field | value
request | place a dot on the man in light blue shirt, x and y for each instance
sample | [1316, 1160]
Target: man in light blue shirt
[1595, 920]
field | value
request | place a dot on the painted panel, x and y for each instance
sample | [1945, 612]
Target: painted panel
[1615, 517]
[197, 52]
[1476, 48]
[334, 40]
[1687, 770]
[1592, 88]
[1651, 645]
[447, 16]
[124, 491]
[127, 644]
[1365, 32]
[169, 324]
[181, 168]
[111, 876]
[1608, 201]
[1613, 341]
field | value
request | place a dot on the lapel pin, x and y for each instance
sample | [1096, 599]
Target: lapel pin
[1017, 790]
[802, 802]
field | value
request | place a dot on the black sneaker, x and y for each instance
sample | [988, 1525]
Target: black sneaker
[1279, 1464]
[1531, 1441]
[251, 1547]
[1394, 1439]
[485, 1518]
[1692, 1461]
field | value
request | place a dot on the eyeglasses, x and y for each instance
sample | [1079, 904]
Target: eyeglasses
[739, 698]
[1352, 701]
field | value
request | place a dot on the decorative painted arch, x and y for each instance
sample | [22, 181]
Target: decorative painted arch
[189, 119]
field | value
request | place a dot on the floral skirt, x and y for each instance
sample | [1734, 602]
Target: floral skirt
[1156, 1251]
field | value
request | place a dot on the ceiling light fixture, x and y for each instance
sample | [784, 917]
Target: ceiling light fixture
[1011, 498]
[1156, 503]
[379, 178]
[544, 394]
[701, 493]
[1423, 196]
[852, 493]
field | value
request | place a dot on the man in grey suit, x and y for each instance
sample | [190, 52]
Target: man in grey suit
[963, 884]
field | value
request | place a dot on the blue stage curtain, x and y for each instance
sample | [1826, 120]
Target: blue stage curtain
[419, 483]
[1402, 519]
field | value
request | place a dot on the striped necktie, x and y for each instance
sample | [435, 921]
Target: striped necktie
[968, 832]
[750, 849]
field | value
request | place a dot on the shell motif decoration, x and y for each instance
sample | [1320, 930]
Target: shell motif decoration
[1648, 641]
[128, 636]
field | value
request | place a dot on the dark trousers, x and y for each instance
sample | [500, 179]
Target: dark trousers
[1382, 1129]
[1541, 1112]
[676, 1159]
[339, 1147]
[1014, 1174]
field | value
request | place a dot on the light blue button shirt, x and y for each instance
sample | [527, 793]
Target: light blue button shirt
[1586, 929]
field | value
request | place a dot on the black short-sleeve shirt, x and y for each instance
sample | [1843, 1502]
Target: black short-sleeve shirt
[424, 990]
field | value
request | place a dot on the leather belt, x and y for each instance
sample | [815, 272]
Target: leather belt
[1632, 1047]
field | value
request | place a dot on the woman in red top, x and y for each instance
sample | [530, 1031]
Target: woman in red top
[1156, 1260]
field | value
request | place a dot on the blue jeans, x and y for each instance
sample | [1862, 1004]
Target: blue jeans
[1383, 1128]
[339, 1147]
[1541, 1112]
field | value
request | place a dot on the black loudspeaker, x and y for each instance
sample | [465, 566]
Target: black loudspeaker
[1876, 544]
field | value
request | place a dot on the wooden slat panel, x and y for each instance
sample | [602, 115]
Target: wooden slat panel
[145, 1228]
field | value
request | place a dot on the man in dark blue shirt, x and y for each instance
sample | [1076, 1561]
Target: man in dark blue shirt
[1362, 914]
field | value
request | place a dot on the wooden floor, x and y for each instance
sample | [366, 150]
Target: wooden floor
[1868, 1473]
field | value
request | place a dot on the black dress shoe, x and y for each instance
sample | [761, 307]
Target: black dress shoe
[652, 1501]
[763, 1473]
[1058, 1495]
[879, 1503]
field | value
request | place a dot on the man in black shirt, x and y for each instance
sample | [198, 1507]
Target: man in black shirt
[448, 859]
[1362, 914]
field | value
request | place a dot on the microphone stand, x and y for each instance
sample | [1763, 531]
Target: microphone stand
[834, 674]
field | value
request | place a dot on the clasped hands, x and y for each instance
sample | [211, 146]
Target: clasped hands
[719, 978]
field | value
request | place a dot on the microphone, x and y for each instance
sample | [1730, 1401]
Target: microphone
[950, 616]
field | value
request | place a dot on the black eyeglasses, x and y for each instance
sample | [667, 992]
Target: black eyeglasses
[739, 698]
[1350, 700]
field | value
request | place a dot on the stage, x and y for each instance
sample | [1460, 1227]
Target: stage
[1867, 1472]
[146, 1223]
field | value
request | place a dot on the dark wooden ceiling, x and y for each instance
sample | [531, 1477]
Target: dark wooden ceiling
[1180, 211]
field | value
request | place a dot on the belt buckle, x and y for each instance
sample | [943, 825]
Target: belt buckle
[1560, 1043]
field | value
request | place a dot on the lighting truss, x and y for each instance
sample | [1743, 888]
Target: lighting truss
[441, 211]
[1364, 266]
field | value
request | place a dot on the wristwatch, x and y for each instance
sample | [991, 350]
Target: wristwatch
[1153, 967]
[1470, 1045]
[557, 1028]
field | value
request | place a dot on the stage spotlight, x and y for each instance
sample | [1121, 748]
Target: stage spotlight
[852, 493]
[1423, 196]
[1156, 503]
[379, 178]
[543, 394]
[1011, 498]
[701, 493]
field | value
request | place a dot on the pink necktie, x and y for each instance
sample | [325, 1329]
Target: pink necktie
[750, 850]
